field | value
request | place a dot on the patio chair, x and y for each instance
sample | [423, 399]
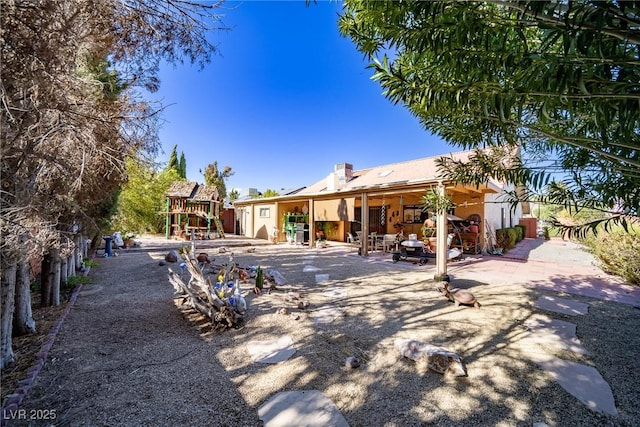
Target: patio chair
[352, 239]
[388, 242]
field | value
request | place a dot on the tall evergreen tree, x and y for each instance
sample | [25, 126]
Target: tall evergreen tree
[182, 166]
[173, 160]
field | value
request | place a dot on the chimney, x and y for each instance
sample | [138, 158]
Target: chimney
[332, 181]
[344, 172]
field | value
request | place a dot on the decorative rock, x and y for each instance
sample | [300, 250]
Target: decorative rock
[352, 362]
[162, 263]
[203, 257]
[172, 256]
[438, 359]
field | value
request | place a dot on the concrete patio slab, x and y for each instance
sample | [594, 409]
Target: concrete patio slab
[561, 305]
[326, 314]
[336, 293]
[556, 333]
[322, 278]
[271, 351]
[583, 382]
[310, 408]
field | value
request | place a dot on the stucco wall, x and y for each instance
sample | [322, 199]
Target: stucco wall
[261, 227]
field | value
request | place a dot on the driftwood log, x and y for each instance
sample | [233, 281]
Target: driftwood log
[199, 293]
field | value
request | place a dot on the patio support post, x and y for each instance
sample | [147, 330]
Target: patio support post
[364, 240]
[441, 245]
[312, 225]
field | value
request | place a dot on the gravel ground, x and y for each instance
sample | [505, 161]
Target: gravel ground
[127, 354]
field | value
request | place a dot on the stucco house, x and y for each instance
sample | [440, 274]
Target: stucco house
[350, 202]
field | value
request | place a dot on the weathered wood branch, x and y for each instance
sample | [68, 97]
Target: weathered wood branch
[199, 293]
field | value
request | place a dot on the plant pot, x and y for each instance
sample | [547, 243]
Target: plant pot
[432, 243]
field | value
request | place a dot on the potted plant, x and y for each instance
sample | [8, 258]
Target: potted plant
[440, 205]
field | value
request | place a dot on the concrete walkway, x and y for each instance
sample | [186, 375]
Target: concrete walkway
[554, 265]
[559, 266]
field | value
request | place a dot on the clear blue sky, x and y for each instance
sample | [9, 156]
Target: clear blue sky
[286, 99]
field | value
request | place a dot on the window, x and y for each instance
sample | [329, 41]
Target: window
[413, 214]
[265, 212]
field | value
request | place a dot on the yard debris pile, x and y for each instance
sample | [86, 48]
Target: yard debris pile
[215, 291]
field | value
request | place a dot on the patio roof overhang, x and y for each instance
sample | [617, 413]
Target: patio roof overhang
[417, 187]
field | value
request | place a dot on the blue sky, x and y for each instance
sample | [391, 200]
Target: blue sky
[286, 100]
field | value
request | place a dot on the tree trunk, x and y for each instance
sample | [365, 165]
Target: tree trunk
[64, 270]
[71, 265]
[23, 322]
[55, 285]
[45, 281]
[85, 247]
[6, 318]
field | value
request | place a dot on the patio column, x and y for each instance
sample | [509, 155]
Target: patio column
[364, 240]
[312, 225]
[441, 245]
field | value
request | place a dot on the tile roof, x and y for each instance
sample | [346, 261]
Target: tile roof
[419, 170]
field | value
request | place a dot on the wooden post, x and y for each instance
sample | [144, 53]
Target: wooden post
[166, 220]
[365, 224]
[441, 234]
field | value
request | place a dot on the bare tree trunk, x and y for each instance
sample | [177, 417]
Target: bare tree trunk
[6, 318]
[85, 246]
[64, 270]
[55, 285]
[71, 265]
[23, 322]
[45, 281]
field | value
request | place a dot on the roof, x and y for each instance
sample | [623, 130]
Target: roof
[402, 173]
[205, 193]
[181, 189]
[193, 191]
[412, 173]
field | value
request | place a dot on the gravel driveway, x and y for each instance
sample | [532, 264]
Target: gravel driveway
[127, 355]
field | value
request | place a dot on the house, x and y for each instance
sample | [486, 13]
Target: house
[376, 200]
[192, 208]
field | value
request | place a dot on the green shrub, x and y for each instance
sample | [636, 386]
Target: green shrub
[521, 231]
[90, 263]
[506, 238]
[618, 253]
[73, 281]
[513, 237]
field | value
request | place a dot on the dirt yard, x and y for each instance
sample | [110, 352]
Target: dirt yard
[127, 354]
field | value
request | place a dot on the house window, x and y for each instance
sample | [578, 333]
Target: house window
[265, 212]
[413, 214]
